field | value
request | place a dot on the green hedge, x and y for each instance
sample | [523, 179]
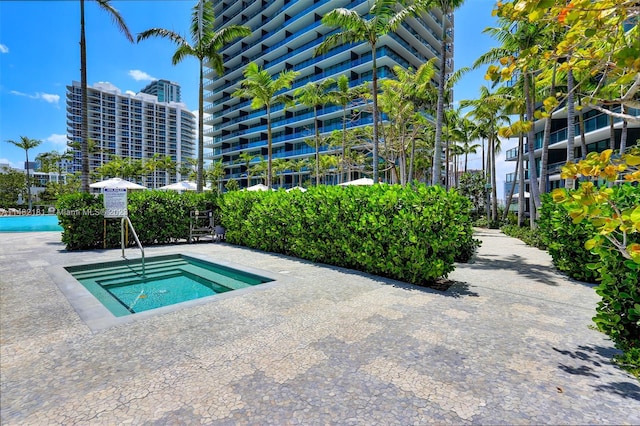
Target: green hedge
[618, 313]
[158, 217]
[410, 234]
[565, 241]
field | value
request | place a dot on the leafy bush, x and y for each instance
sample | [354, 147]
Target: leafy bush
[526, 235]
[410, 234]
[618, 313]
[159, 217]
[565, 240]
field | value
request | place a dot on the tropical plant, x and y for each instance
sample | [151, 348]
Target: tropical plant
[314, 94]
[246, 158]
[344, 95]
[597, 39]
[27, 144]
[383, 17]
[122, 26]
[206, 46]
[447, 7]
[264, 92]
[11, 184]
[489, 109]
[614, 215]
[215, 174]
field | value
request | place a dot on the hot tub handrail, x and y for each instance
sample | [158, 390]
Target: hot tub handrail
[135, 236]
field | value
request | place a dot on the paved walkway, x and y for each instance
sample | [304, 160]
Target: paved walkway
[509, 343]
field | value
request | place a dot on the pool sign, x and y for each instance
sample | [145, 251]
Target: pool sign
[115, 202]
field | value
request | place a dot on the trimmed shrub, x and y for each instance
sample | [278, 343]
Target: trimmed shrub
[410, 234]
[565, 240]
[526, 235]
[159, 217]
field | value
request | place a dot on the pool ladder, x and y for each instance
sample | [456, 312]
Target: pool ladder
[135, 236]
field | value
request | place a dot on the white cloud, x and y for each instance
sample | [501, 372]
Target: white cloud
[4, 48]
[58, 139]
[138, 75]
[47, 97]
[130, 92]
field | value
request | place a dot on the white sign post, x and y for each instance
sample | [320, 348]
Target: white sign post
[115, 202]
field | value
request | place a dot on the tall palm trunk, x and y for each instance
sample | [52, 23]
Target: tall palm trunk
[374, 78]
[29, 202]
[437, 154]
[344, 145]
[533, 173]
[317, 131]
[494, 190]
[513, 185]
[544, 159]
[199, 176]
[269, 150]
[571, 127]
[84, 129]
[623, 134]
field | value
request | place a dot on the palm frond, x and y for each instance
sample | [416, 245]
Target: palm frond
[116, 17]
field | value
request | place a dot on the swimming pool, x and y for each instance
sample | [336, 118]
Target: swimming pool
[124, 290]
[29, 223]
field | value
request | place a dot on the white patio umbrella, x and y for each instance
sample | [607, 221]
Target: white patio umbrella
[185, 185]
[299, 188]
[258, 187]
[361, 181]
[116, 183]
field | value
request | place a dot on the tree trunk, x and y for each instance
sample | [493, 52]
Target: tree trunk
[494, 190]
[571, 127]
[374, 82]
[547, 136]
[513, 185]
[268, 146]
[317, 135]
[623, 134]
[84, 132]
[199, 176]
[437, 152]
[533, 174]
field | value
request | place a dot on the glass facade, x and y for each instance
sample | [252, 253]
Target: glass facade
[285, 36]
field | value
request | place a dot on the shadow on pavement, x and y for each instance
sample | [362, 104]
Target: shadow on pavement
[589, 359]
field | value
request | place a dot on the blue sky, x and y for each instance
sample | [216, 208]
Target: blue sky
[38, 60]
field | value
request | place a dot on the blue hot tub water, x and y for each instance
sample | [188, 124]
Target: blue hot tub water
[121, 287]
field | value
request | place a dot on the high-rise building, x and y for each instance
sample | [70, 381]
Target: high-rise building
[164, 90]
[598, 131]
[285, 36]
[128, 125]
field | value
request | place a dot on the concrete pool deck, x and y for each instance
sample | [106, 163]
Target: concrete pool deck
[509, 343]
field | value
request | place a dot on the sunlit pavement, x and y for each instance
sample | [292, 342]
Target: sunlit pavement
[510, 342]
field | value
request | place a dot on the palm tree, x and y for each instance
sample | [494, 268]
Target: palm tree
[489, 110]
[447, 7]
[26, 144]
[84, 147]
[314, 94]
[246, 159]
[384, 18]
[207, 44]
[262, 89]
[216, 173]
[343, 95]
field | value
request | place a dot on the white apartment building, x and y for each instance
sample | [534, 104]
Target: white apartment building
[133, 126]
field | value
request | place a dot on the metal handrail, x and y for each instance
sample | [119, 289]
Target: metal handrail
[135, 236]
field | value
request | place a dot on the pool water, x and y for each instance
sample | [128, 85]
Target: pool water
[27, 223]
[121, 287]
